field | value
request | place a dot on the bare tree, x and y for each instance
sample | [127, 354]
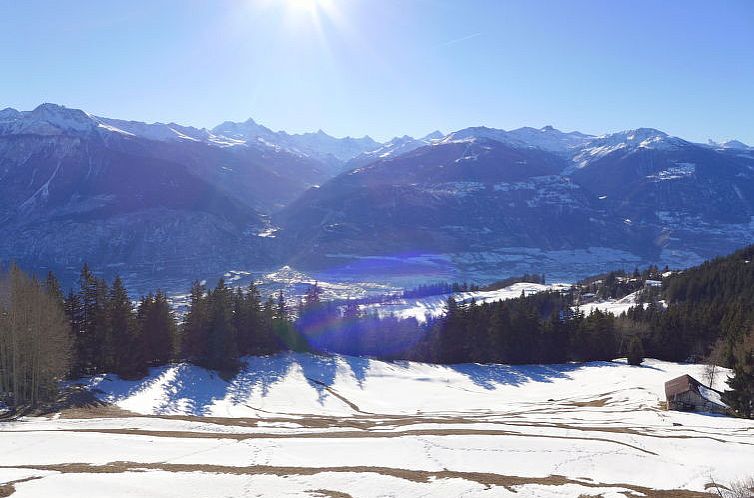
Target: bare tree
[35, 343]
[743, 488]
[711, 365]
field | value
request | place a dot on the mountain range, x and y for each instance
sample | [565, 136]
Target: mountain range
[142, 198]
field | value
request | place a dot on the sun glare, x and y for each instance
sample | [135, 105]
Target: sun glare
[308, 5]
[311, 6]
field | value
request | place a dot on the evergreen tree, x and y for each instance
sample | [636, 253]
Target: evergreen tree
[162, 333]
[740, 396]
[635, 351]
[104, 352]
[92, 334]
[222, 348]
[271, 342]
[157, 328]
[281, 309]
[127, 344]
[450, 347]
[195, 326]
[144, 321]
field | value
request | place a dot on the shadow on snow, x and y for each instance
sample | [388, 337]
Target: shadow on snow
[186, 388]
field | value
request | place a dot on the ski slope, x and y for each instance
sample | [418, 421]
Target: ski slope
[305, 425]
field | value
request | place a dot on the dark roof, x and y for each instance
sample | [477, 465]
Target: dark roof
[680, 385]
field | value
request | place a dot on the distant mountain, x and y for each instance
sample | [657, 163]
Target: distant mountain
[140, 198]
[480, 190]
[546, 138]
[730, 144]
[75, 187]
[321, 146]
[463, 195]
[393, 148]
[649, 177]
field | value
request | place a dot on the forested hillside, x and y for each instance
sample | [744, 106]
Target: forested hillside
[704, 312]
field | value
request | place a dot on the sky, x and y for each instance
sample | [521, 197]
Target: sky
[390, 67]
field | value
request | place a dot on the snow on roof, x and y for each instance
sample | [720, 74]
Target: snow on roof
[686, 383]
[711, 395]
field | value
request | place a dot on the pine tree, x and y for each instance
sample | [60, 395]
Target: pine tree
[740, 396]
[104, 353]
[256, 338]
[312, 299]
[157, 328]
[92, 334]
[281, 309]
[271, 342]
[145, 323]
[635, 351]
[128, 352]
[222, 348]
[194, 330]
[450, 347]
[162, 338]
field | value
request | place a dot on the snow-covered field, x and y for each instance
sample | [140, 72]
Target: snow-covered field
[614, 306]
[434, 306]
[304, 425]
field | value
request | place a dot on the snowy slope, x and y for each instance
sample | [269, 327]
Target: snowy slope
[626, 142]
[614, 306]
[295, 384]
[434, 306]
[313, 426]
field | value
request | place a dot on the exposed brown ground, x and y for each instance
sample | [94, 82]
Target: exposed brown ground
[9, 488]
[328, 493]
[81, 404]
[595, 403]
[418, 476]
[341, 435]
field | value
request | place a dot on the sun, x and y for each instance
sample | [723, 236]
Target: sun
[311, 6]
[304, 4]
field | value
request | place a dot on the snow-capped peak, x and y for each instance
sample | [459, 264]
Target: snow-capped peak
[476, 132]
[627, 141]
[9, 113]
[640, 137]
[435, 135]
[46, 119]
[630, 137]
[546, 138]
[729, 144]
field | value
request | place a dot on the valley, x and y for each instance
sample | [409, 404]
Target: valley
[168, 203]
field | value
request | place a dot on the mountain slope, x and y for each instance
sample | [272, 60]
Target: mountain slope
[71, 191]
[78, 187]
[480, 189]
[472, 194]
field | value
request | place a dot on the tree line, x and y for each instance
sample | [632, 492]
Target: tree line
[706, 309]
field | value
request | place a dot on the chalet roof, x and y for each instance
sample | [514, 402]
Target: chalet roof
[680, 385]
[686, 383]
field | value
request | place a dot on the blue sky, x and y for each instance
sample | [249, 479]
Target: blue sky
[389, 67]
